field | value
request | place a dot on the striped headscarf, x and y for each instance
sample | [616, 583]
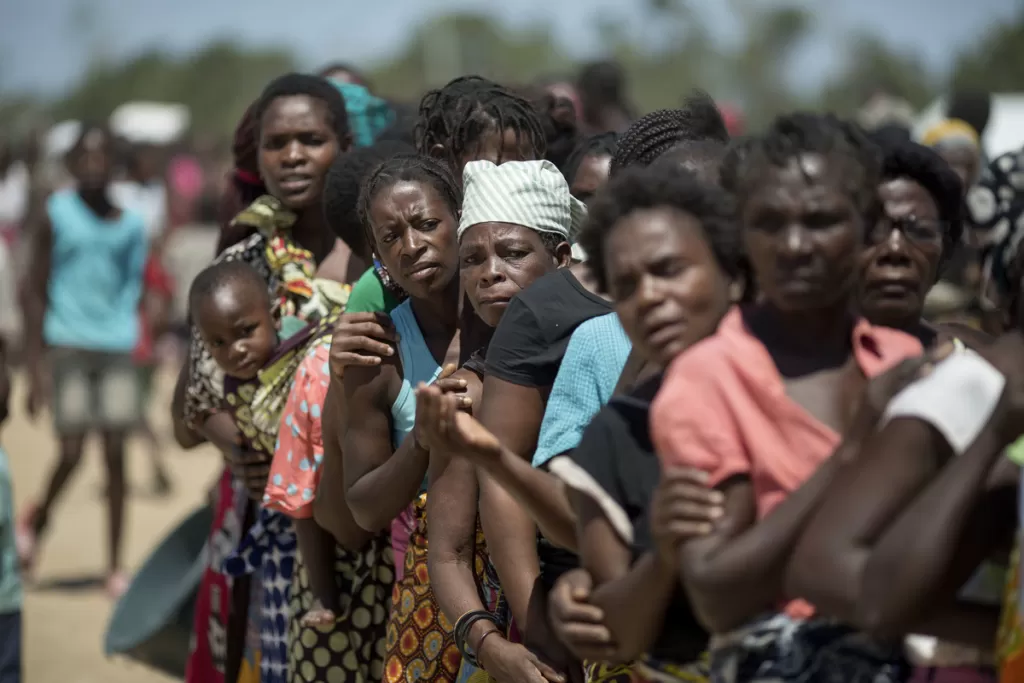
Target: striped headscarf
[533, 194]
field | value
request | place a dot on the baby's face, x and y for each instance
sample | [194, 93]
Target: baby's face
[237, 328]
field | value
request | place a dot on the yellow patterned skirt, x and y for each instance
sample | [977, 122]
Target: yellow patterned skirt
[420, 643]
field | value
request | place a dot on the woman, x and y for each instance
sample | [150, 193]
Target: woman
[82, 306]
[522, 365]
[918, 229]
[665, 247]
[587, 167]
[302, 126]
[760, 405]
[960, 146]
[515, 226]
[409, 207]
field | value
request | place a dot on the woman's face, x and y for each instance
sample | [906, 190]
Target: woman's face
[499, 260]
[414, 235]
[93, 163]
[297, 147]
[901, 261]
[803, 235]
[669, 290]
[965, 162]
[591, 176]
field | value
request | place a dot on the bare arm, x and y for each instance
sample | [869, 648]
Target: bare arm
[513, 414]
[539, 493]
[330, 509]
[737, 571]
[451, 518]
[634, 623]
[958, 524]
[379, 481]
[185, 437]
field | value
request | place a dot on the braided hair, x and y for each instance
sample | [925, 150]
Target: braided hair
[656, 133]
[602, 145]
[461, 113]
[793, 135]
[439, 110]
[407, 167]
[312, 86]
[342, 185]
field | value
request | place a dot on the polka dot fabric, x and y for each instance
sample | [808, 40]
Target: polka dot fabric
[351, 650]
[298, 457]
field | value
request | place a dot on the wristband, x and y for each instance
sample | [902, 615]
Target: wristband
[958, 398]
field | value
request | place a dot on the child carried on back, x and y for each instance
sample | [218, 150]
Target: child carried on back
[233, 312]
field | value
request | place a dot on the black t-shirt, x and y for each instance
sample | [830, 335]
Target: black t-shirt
[529, 342]
[615, 464]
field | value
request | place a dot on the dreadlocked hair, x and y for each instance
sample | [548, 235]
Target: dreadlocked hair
[440, 110]
[497, 109]
[342, 185]
[407, 167]
[793, 135]
[656, 133]
[664, 185]
[315, 87]
[602, 145]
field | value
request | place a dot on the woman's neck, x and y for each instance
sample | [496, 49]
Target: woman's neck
[822, 333]
[311, 232]
[438, 316]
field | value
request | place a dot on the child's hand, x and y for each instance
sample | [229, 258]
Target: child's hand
[577, 623]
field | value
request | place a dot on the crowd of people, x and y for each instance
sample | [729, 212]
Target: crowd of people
[516, 386]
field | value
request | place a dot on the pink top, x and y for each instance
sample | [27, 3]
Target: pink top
[723, 408]
[295, 469]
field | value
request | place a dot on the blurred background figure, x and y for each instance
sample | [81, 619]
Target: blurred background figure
[604, 97]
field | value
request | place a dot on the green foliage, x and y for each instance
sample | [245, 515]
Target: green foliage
[672, 54]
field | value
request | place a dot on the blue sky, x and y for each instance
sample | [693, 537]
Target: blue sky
[44, 43]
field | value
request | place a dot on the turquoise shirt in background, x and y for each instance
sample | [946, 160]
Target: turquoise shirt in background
[10, 576]
[95, 277]
[590, 369]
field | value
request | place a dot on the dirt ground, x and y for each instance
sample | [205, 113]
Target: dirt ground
[66, 611]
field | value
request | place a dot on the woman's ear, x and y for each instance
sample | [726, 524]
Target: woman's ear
[345, 144]
[563, 255]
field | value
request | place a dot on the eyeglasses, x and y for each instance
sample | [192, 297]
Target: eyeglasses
[924, 231]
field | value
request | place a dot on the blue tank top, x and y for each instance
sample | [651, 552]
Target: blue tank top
[95, 278]
[418, 365]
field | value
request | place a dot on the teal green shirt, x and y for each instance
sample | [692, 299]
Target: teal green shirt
[370, 296]
[10, 577]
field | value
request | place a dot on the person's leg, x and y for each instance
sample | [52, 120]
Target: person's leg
[317, 549]
[72, 412]
[161, 480]
[10, 647]
[119, 411]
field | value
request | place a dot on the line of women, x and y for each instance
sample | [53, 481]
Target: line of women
[694, 430]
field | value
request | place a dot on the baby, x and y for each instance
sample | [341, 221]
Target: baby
[232, 310]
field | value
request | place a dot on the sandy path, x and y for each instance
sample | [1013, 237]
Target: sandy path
[65, 623]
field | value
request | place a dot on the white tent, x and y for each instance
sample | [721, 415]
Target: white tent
[1005, 131]
[154, 123]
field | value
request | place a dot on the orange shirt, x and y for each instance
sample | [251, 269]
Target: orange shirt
[723, 408]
